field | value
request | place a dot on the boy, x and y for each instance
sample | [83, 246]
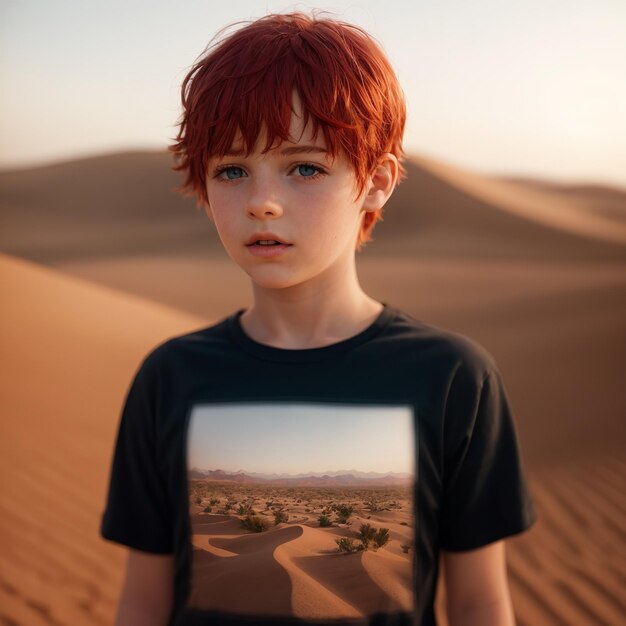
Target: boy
[310, 459]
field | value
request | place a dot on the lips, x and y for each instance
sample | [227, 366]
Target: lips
[265, 237]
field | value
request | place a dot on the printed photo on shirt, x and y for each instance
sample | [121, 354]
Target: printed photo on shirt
[302, 510]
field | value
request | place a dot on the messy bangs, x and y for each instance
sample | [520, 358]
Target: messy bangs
[242, 86]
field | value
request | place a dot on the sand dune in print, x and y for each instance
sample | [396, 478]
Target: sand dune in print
[295, 567]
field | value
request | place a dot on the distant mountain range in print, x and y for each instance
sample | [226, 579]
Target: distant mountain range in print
[348, 478]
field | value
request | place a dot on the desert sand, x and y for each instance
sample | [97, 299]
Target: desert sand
[301, 563]
[535, 272]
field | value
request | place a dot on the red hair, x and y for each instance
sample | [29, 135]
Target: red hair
[244, 84]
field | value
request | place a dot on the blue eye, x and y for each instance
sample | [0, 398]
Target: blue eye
[311, 168]
[230, 170]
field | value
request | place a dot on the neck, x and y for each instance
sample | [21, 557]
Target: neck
[309, 318]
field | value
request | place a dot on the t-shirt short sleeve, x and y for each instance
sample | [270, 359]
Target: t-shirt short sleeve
[136, 512]
[486, 496]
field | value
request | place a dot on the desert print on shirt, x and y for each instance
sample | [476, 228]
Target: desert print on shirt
[302, 510]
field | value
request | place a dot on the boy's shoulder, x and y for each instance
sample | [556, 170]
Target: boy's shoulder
[437, 346]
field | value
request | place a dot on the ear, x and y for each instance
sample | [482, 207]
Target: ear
[383, 181]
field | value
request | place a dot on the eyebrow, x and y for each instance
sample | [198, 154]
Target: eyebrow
[286, 151]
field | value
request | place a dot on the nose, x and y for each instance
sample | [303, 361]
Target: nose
[263, 201]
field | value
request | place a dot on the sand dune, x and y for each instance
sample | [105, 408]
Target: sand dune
[299, 559]
[291, 557]
[68, 351]
[572, 568]
[539, 280]
[531, 201]
[596, 199]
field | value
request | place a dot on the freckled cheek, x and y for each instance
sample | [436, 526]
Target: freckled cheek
[218, 198]
[223, 205]
[228, 228]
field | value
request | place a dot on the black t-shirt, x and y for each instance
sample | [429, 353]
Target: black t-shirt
[315, 486]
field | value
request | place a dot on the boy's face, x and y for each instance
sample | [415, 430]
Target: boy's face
[296, 192]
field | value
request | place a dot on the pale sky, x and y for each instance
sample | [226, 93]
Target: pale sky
[296, 438]
[526, 87]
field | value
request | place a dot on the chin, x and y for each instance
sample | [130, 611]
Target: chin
[266, 280]
[273, 284]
